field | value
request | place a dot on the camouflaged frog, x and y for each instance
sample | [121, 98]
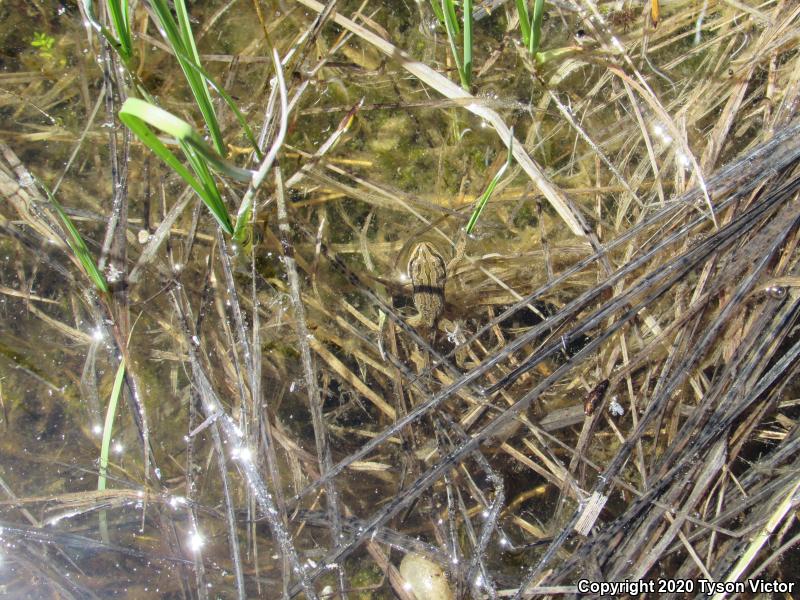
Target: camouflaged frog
[427, 272]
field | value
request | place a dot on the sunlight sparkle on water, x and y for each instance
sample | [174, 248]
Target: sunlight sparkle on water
[118, 448]
[113, 274]
[196, 541]
[242, 453]
[661, 133]
[615, 408]
[26, 180]
[177, 501]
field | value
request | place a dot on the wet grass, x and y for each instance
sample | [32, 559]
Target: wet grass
[608, 393]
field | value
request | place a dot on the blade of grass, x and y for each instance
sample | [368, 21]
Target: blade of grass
[524, 21]
[536, 26]
[481, 203]
[111, 412]
[190, 61]
[246, 205]
[122, 42]
[139, 116]
[178, 35]
[437, 10]
[207, 190]
[120, 18]
[248, 132]
[466, 79]
[452, 32]
[77, 245]
[201, 90]
[449, 8]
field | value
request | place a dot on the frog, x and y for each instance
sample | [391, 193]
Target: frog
[427, 271]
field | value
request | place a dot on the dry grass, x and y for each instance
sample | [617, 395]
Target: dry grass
[610, 394]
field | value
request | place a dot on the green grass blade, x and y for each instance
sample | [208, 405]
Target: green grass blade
[437, 10]
[120, 45]
[118, 9]
[139, 116]
[181, 41]
[77, 245]
[484, 199]
[452, 32]
[213, 201]
[467, 78]
[220, 165]
[524, 21]
[159, 118]
[111, 412]
[449, 8]
[200, 89]
[536, 26]
[547, 56]
[185, 28]
[248, 132]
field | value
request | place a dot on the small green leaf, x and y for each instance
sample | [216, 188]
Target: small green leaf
[43, 41]
[481, 203]
[111, 411]
[77, 245]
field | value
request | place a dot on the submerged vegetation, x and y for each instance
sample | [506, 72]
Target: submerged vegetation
[214, 377]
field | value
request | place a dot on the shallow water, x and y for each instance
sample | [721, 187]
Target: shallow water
[409, 168]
